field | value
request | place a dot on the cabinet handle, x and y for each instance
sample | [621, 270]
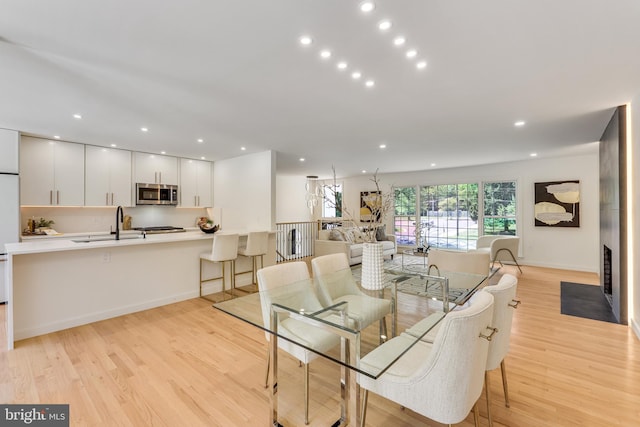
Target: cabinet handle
[57, 197]
[155, 177]
[112, 198]
[198, 201]
[106, 201]
[50, 197]
[195, 200]
[160, 175]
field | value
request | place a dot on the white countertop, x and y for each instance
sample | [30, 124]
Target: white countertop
[68, 243]
[33, 246]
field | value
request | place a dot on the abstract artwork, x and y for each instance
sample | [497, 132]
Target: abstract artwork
[557, 204]
[370, 206]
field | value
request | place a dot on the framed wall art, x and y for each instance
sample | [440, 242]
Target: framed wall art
[557, 204]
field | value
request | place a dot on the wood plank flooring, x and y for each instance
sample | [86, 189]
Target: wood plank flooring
[187, 364]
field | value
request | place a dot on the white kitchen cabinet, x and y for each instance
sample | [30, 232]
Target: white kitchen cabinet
[51, 172]
[156, 169]
[107, 177]
[195, 183]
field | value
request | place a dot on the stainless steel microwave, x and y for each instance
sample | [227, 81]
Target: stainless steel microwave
[156, 194]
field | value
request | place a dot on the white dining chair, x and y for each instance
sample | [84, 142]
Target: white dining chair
[440, 380]
[505, 302]
[335, 283]
[273, 277]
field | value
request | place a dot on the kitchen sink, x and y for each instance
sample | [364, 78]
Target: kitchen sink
[107, 238]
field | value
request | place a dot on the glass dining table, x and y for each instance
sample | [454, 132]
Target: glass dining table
[414, 296]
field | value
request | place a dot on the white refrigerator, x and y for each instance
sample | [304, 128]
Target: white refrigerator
[9, 199]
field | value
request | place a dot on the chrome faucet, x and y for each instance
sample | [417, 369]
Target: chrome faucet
[120, 211]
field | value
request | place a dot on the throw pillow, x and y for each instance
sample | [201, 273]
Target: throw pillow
[335, 234]
[381, 233]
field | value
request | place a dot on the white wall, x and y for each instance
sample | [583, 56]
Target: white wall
[634, 279]
[290, 199]
[244, 191]
[567, 248]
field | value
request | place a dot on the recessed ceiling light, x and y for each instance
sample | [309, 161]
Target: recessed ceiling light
[433, 164]
[341, 65]
[202, 158]
[143, 129]
[163, 152]
[243, 148]
[364, 171]
[302, 159]
[534, 154]
[411, 53]
[519, 123]
[367, 6]
[114, 145]
[325, 54]
[56, 136]
[200, 140]
[421, 65]
[77, 116]
[306, 40]
[369, 83]
[384, 25]
[383, 146]
[356, 75]
[399, 41]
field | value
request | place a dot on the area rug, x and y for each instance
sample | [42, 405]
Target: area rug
[587, 301]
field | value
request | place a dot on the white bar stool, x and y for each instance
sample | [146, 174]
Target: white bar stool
[257, 246]
[224, 249]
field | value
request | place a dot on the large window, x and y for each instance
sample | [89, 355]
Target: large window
[499, 208]
[404, 216]
[449, 215]
[332, 201]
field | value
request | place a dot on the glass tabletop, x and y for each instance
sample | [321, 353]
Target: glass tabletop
[300, 315]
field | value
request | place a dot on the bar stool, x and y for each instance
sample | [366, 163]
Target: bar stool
[257, 245]
[224, 249]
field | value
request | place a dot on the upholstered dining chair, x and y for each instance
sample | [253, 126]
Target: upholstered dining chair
[500, 248]
[335, 283]
[504, 296]
[443, 380]
[272, 277]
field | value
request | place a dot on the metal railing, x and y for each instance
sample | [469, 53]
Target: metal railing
[295, 240]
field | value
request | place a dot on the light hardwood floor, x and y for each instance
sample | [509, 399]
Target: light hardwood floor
[187, 364]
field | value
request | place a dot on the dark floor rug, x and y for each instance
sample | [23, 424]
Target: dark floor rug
[586, 301]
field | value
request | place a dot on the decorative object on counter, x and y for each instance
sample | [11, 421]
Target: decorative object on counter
[44, 223]
[207, 225]
[127, 222]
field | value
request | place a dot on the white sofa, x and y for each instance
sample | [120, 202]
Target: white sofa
[325, 246]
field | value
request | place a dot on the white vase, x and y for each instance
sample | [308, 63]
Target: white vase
[372, 272]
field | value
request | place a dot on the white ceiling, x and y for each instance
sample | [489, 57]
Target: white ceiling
[233, 72]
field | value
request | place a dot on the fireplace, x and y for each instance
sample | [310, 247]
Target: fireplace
[607, 273]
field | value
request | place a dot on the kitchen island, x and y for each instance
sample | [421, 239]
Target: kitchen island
[56, 284]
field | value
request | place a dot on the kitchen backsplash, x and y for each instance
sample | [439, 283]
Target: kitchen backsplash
[80, 219]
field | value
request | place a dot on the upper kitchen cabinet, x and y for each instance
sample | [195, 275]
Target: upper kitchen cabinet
[195, 183]
[156, 169]
[51, 172]
[107, 177]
